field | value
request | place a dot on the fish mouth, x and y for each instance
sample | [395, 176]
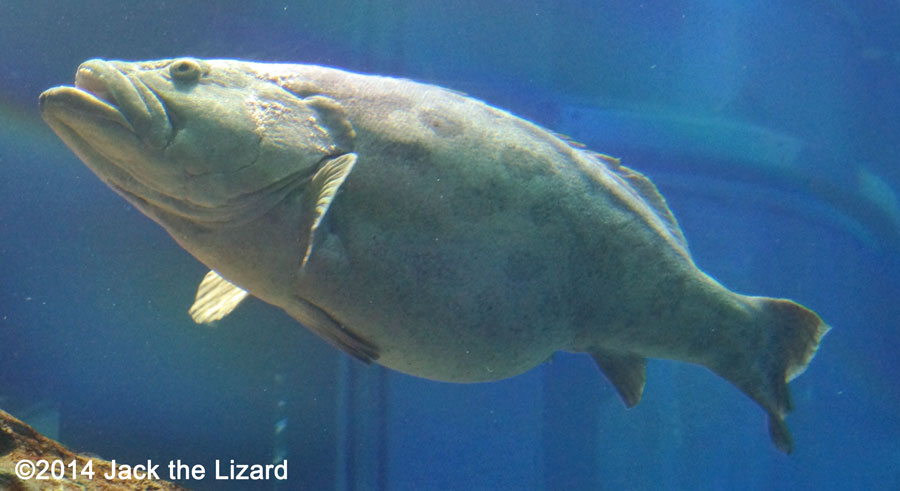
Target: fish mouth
[105, 92]
[65, 104]
[115, 124]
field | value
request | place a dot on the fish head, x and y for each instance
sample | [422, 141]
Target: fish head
[203, 140]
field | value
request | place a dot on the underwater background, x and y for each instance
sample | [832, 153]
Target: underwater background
[772, 128]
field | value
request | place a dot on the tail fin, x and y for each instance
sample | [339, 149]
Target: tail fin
[792, 336]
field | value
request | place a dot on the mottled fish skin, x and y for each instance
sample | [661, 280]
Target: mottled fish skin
[414, 226]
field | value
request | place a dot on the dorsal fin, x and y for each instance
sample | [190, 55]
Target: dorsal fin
[648, 191]
[216, 298]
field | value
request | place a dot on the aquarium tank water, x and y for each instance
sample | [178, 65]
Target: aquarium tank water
[771, 128]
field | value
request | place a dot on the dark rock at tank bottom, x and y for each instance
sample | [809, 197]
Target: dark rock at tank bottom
[18, 442]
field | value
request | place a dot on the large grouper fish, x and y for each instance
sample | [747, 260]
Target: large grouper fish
[419, 228]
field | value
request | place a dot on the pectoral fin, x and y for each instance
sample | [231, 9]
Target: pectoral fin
[627, 373]
[216, 298]
[324, 187]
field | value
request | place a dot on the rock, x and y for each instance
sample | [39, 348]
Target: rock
[20, 442]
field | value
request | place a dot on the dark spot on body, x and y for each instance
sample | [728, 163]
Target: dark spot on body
[543, 211]
[429, 266]
[523, 164]
[524, 266]
[439, 123]
[476, 203]
[405, 154]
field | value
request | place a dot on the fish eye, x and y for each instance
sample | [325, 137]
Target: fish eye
[186, 70]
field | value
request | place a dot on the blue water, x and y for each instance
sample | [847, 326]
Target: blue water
[770, 127]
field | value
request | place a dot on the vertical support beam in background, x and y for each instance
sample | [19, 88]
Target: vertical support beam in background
[361, 419]
[342, 425]
[280, 444]
[361, 415]
[572, 406]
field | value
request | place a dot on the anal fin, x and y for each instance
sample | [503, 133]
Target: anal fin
[627, 373]
[216, 298]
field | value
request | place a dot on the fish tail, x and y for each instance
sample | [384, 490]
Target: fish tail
[791, 337]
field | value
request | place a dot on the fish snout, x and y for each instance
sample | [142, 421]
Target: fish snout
[90, 78]
[114, 84]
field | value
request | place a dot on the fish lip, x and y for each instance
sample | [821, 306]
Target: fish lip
[114, 86]
[91, 96]
[67, 98]
[89, 80]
